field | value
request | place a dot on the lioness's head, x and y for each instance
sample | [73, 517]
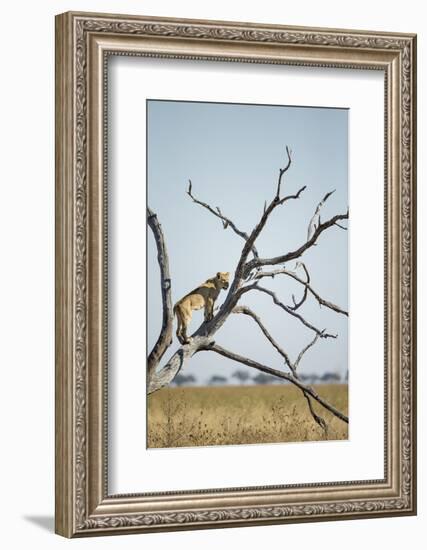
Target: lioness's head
[223, 278]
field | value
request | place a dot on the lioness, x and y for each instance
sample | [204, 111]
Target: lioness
[202, 296]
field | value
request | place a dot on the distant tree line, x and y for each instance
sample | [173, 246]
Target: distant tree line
[244, 378]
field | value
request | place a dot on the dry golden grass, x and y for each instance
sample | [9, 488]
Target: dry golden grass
[230, 415]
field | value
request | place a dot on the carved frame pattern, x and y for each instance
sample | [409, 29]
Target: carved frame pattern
[82, 510]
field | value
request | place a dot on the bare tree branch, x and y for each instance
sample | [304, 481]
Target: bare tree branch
[297, 305]
[293, 367]
[280, 304]
[160, 378]
[283, 170]
[165, 337]
[317, 418]
[240, 270]
[240, 273]
[261, 274]
[315, 220]
[292, 197]
[320, 300]
[259, 262]
[341, 226]
[302, 352]
[247, 311]
[279, 374]
[226, 222]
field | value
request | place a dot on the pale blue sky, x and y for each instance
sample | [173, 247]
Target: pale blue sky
[232, 154]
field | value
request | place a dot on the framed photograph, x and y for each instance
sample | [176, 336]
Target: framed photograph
[235, 274]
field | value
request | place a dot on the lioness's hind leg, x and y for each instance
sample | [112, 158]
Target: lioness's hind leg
[209, 309]
[181, 332]
[178, 322]
[184, 338]
[178, 332]
[185, 321]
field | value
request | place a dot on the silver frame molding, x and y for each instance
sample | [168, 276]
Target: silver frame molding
[83, 43]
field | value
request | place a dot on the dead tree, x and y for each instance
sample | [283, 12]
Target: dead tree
[251, 270]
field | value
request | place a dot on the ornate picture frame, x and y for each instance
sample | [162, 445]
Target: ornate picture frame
[84, 42]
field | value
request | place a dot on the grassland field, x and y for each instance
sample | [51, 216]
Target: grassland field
[230, 415]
